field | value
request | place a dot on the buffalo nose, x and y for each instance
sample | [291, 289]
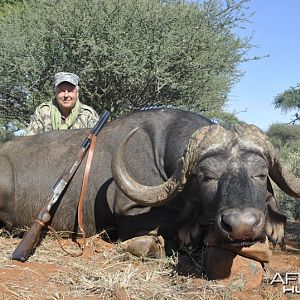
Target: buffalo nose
[241, 224]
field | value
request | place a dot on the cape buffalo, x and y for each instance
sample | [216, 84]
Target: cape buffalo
[167, 174]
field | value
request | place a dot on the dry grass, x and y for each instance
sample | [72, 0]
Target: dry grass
[102, 272]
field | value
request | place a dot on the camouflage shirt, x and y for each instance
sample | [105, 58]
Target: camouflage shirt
[41, 119]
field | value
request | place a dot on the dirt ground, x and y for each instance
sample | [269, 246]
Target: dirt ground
[103, 272]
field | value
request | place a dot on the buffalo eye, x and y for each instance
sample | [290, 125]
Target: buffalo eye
[261, 177]
[208, 178]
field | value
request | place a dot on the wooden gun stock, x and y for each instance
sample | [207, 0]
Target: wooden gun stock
[31, 238]
[28, 242]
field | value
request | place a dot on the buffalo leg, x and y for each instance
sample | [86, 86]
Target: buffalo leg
[146, 245]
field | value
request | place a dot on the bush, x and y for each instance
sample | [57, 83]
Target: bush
[289, 205]
[5, 135]
[129, 54]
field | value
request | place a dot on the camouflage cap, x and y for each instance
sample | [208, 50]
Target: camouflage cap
[64, 76]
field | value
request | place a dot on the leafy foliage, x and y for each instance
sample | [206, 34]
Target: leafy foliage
[129, 54]
[291, 159]
[285, 135]
[289, 100]
[5, 135]
[286, 138]
[9, 129]
[7, 5]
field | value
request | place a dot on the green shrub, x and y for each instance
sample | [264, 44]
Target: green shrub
[291, 160]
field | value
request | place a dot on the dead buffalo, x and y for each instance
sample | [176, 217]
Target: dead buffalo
[167, 174]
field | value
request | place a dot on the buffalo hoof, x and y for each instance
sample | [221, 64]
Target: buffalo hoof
[235, 271]
[146, 246]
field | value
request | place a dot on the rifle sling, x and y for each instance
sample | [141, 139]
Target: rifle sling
[93, 139]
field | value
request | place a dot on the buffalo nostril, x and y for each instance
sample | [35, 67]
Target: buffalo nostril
[259, 221]
[241, 224]
[224, 225]
[229, 220]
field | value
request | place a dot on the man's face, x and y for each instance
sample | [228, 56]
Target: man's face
[66, 95]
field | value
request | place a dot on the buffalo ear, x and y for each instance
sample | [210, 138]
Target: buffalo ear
[269, 186]
[284, 179]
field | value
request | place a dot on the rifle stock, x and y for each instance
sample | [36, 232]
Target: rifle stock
[30, 239]
[28, 242]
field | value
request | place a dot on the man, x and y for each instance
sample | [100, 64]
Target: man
[65, 110]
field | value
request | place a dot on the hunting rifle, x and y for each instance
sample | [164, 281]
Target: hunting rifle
[30, 239]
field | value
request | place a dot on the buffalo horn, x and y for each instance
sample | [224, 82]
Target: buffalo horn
[142, 194]
[160, 194]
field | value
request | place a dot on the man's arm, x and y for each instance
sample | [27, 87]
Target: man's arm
[39, 120]
[93, 119]
[89, 116]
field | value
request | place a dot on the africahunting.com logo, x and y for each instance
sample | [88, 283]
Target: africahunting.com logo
[290, 282]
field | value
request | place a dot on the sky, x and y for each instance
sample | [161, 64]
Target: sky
[276, 32]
